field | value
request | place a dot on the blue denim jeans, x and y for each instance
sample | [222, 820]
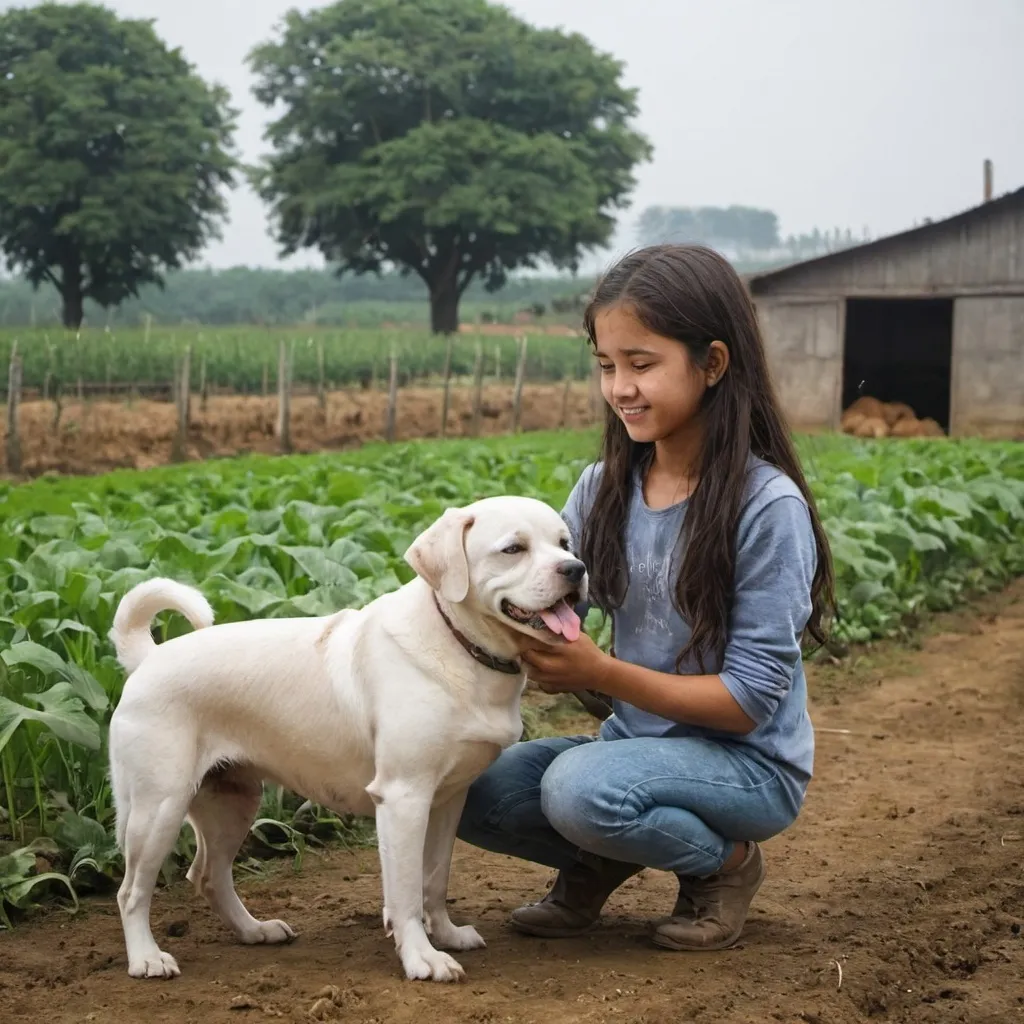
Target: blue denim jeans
[677, 804]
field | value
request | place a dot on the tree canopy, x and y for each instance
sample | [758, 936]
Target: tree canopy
[113, 153]
[446, 138]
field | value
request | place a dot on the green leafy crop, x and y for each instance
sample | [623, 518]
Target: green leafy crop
[915, 527]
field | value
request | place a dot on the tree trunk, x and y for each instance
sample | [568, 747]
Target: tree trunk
[71, 293]
[444, 306]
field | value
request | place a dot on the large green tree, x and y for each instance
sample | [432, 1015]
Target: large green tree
[113, 153]
[446, 138]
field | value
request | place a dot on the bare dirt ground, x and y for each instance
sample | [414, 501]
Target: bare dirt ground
[97, 436]
[898, 896]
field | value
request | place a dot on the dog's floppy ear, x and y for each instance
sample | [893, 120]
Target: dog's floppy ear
[438, 554]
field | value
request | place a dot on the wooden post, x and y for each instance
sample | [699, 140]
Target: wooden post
[55, 364]
[203, 393]
[58, 406]
[987, 188]
[517, 394]
[321, 390]
[478, 386]
[448, 350]
[283, 429]
[392, 394]
[182, 394]
[175, 382]
[13, 400]
[497, 362]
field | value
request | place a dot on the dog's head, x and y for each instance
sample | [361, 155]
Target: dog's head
[510, 559]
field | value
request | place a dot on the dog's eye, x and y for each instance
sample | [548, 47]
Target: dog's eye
[565, 543]
[513, 549]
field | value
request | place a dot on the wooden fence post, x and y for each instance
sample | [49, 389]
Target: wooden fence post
[182, 396]
[58, 405]
[203, 393]
[283, 429]
[55, 366]
[478, 386]
[321, 389]
[13, 401]
[517, 395]
[389, 431]
[448, 351]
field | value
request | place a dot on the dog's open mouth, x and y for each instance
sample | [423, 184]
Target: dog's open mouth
[561, 618]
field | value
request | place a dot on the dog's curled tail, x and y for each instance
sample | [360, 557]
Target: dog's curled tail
[137, 609]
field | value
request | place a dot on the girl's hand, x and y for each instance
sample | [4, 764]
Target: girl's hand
[565, 667]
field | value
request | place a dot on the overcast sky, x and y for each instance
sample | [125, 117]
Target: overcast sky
[860, 113]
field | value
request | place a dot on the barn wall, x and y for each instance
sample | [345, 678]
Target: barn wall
[988, 367]
[804, 344]
[984, 254]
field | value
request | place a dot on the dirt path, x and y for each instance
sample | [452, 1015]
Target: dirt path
[97, 436]
[905, 870]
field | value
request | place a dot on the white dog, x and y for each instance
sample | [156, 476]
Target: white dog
[389, 710]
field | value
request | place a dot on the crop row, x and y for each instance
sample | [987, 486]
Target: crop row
[244, 360]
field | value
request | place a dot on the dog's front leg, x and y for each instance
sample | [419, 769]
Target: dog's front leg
[437, 863]
[403, 812]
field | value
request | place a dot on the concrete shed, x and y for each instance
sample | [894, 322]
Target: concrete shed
[933, 317]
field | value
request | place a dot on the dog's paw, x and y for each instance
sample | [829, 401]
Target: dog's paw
[431, 965]
[159, 965]
[452, 937]
[271, 933]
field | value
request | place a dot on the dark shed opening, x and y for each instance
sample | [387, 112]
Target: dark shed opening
[900, 350]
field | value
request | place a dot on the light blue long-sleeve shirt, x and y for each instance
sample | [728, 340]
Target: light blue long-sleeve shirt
[762, 665]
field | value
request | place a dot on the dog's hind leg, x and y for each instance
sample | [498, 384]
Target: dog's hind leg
[221, 814]
[152, 822]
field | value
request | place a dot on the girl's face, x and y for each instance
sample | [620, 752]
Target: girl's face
[651, 382]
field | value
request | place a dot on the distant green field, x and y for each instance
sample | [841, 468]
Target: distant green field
[915, 526]
[242, 358]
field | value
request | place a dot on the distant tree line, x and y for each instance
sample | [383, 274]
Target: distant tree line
[743, 233]
[265, 296]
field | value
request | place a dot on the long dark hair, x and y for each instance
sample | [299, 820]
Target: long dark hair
[692, 294]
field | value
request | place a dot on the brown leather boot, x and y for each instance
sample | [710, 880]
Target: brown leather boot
[711, 912]
[574, 903]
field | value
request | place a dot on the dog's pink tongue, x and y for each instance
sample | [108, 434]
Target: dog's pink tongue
[562, 620]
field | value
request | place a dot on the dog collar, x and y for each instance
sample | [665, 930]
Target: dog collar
[492, 661]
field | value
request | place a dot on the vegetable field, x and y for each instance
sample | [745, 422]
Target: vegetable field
[244, 360]
[915, 527]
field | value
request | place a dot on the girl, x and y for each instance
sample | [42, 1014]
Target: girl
[702, 540]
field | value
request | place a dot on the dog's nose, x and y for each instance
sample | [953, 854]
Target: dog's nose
[573, 571]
